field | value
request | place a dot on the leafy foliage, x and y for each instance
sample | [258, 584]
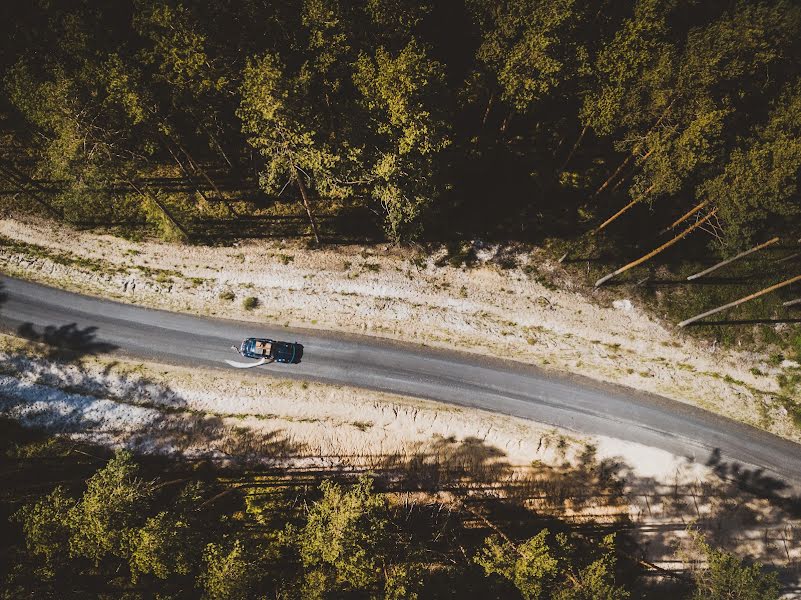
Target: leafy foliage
[531, 567]
[399, 94]
[109, 511]
[727, 577]
[162, 547]
[344, 534]
[368, 105]
[759, 184]
[46, 528]
[531, 48]
[551, 568]
[224, 541]
[228, 573]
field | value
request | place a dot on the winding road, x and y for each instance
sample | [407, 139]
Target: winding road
[578, 404]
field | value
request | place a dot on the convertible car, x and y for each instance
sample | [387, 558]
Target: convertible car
[282, 352]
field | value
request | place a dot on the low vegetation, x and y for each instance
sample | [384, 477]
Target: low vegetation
[250, 303]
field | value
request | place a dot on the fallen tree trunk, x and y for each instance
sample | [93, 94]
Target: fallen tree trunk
[573, 149]
[786, 258]
[15, 182]
[753, 296]
[625, 176]
[634, 150]
[653, 253]
[792, 302]
[487, 110]
[187, 175]
[194, 164]
[723, 263]
[612, 177]
[148, 195]
[685, 216]
[624, 209]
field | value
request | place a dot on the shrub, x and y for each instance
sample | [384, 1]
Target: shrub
[227, 295]
[250, 302]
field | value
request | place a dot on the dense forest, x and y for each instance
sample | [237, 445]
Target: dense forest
[79, 522]
[512, 119]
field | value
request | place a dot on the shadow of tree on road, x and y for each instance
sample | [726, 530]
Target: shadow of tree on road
[67, 342]
[756, 482]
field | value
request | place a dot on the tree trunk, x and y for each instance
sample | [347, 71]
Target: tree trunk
[506, 121]
[634, 150]
[205, 176]
[624, 209]
[573, 149]
[625, 176]
[621, 181]
[653, 253]
[148, 195]
[792, 302]
[487, 110]
[786, 258]
[615, 174]
[17, 180]
[187, 175]
[217, 145]
[684, 217]
[753, 296]
[644, 158]
[723, 263]
[306, 204]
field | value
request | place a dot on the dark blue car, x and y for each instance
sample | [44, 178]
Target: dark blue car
[283, 352]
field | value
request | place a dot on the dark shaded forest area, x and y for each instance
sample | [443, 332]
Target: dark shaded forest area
[78, 522]
[406, 120]
[661, 133]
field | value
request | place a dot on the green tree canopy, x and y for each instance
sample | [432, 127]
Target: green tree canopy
[552, 567]
[728, 578]
[634, 71]
[274, 117]
[344, 534]
[110, 510]
[402, 95]
[531, 47]
[759, 183]
[162, 547]
[229, 574]
[531, 567]
[46, 527]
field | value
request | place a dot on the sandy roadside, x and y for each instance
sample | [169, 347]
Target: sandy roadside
[234, 417]
[392, 293]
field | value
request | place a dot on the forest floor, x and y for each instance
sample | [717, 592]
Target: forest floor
[527, 309]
